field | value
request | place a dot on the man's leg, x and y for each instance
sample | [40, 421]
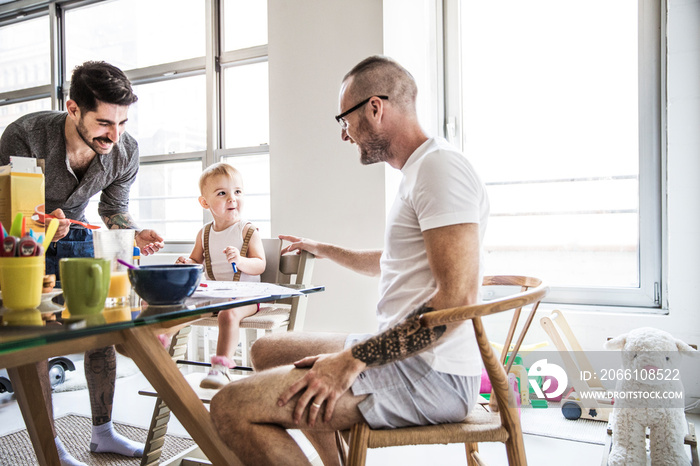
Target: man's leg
[282, 349]
[101, 376]
[248, 419]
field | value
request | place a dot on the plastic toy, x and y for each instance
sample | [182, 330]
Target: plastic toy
[596, 408]
[523, 390]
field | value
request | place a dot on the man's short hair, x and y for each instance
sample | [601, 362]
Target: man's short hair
[98, 81]
[220, 168]
[380, 75]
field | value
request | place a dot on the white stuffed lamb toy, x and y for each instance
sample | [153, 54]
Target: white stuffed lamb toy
[650, 359]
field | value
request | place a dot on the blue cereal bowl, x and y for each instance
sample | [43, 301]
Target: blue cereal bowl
[162, 285]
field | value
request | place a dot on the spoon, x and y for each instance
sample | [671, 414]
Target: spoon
[127, 265]
[77, 222]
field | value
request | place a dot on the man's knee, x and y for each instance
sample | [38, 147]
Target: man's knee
[261, 353]
[226, 408]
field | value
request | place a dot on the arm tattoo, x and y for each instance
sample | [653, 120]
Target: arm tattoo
[121, 220]
[399, 342]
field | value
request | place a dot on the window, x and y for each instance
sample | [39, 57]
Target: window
[10, 112]
[559, 109]
[198, 104]
[138, 34]
[164, 123]
[245, 24]
[25, 54]
[25, 68]
[164, 197]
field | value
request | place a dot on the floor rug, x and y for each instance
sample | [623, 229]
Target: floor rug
[16, 448]
[550, 422]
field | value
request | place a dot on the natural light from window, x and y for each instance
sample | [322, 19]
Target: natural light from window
[551, 118]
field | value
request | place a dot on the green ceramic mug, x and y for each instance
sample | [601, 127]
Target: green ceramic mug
[85, 283]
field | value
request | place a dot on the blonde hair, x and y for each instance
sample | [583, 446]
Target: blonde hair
[217, 169]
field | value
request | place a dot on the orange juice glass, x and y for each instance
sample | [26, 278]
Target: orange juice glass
[119, 285]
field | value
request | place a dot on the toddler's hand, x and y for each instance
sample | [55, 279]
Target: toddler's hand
[232, 254]
[184, 260]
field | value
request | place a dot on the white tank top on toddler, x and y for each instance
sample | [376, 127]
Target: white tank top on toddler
[220, 240]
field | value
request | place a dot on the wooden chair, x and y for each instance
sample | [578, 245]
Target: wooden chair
[500, 422]
[289, 314]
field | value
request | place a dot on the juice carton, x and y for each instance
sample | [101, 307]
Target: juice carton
[21, 190]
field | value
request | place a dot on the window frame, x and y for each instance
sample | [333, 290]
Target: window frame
[211, 66]
[651, 295]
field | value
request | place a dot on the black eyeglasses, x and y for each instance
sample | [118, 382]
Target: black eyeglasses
[341, 118]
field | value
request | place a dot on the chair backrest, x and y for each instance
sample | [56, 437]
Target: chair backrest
[532, 291]
[272, 247]
[288, 269]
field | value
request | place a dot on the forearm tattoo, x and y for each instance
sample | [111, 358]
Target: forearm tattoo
[122, 220]
[399, 342]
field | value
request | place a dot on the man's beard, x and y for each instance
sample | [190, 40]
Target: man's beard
[375, 148]
[83, 133]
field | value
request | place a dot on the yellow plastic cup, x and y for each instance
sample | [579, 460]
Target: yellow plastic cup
[21, 280]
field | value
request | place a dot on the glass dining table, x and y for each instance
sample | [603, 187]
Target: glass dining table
[23, 348]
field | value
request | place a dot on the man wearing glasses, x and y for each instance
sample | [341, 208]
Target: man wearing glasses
[404, 374]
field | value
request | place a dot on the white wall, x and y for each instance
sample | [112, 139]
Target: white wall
[320, 190]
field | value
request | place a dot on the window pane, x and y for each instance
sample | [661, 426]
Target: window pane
[245, 23]
[255, 170]
[164, 198]
[165, 122]
[9, 113]
[246, 105]
[133, 34]
[552, 122]
[25, 54]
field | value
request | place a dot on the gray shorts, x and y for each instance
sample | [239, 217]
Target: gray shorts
[409, 392]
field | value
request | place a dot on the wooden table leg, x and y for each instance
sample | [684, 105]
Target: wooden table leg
[30, 397]
[160, 370]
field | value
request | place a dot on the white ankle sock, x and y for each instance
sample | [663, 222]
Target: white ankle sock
[64, 457]
[106, 440]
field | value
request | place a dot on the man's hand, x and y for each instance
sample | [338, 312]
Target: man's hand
[149, 242]
[63, 225]
[365, 262]
[330, 376]
[301, 244]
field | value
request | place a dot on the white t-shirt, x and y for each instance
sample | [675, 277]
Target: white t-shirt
[220, 240]
[439, 188]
